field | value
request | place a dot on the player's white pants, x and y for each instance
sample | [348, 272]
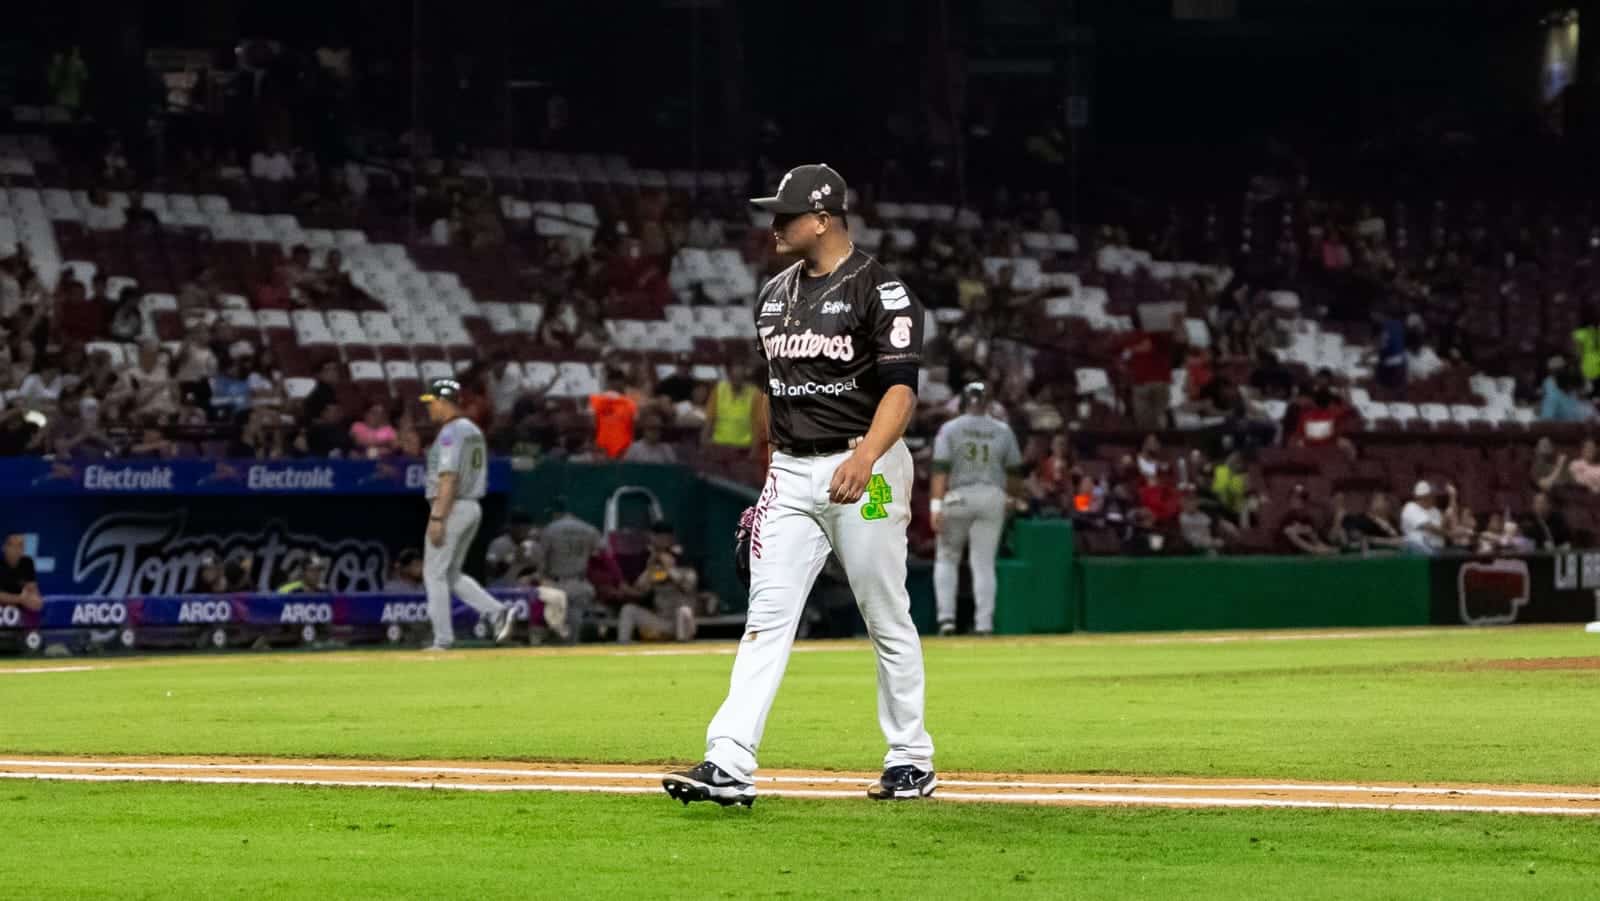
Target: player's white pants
[441, 571]
[795, 528]
[974, 517]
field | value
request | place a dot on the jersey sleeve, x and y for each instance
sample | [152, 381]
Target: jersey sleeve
[449, 450]
[941, 448]
[894, 321]
[1012, 456]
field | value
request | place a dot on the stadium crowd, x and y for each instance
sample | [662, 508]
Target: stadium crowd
[1266, 452]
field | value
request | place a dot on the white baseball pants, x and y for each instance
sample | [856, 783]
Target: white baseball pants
[974, 517]
[441, 571]
[796, 527]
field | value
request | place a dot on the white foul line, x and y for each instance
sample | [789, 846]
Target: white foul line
[813, 780]
[28, 670]
[1101, 799]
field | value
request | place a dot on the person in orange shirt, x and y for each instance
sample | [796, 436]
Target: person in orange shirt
[614, 413]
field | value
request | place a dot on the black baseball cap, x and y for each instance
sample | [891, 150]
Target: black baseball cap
[442, 389]
[812, 188]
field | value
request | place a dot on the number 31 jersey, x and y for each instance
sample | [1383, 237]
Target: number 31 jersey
[979, 450]
[825, 337]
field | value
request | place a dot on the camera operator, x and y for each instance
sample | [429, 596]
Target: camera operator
[666, 593]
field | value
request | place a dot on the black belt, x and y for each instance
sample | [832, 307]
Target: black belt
[821, 447]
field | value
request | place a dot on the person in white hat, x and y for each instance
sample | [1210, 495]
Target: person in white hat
[1422, 523]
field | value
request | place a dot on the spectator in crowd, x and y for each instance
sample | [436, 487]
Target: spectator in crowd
[1230, 485]
[1149, 459]
[1147, 355]
[1051, 484]
[1298, 530]
[1545, 526]
[665, 593]
[1549, 468]
[42, 388]
[153, 442]
[195, 361]
[323, 392]
[1391, 368]
[313, 571]
[74, 431]
[569, 544]
[1559, 400]
[126, 319]
[1321, 416]
[1373, 529]
[328, 435]
[678, 385]
[1502, 536]
[1585, 471]
[405, 574]
[101, 215]
[140, 220]
[260, 438]
[409, 438]
[649, 448]
[68, 76]
[199, 293]
[730, 413]
[230, 391]
[209, 578]
[98, 292]
[19, 579]
[239, 572]
[1586, 343]
[1422, 524]
[613, 413]
[148, 383]
[373, 436]
[272, 165]
[1196, 527]
[515, 553]
[1270, 378]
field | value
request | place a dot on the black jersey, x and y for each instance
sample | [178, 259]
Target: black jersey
[824, 339]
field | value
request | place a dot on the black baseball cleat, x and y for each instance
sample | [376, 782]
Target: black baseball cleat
[903, 783]
[708, 782]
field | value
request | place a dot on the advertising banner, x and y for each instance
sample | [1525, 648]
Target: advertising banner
[120, 530]
[1562, 587]
[252, 610]
[38, 477]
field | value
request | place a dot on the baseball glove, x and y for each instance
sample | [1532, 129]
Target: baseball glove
[741, 543]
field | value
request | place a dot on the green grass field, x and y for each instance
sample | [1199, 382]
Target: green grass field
[1386, 706]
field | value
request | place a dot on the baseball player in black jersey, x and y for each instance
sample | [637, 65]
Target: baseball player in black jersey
[843, 342]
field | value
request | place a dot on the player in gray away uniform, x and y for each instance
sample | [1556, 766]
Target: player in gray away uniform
[458, 473]
[569, 542]
[975, 462]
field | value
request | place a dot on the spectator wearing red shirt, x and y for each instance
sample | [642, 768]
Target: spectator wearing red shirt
[1161, 497]
[1198, 372]
[1148, 359]
[1052, 480]
[1321, 416]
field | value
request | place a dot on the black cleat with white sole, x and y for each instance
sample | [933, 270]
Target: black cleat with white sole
[708, 782]
[904, 782]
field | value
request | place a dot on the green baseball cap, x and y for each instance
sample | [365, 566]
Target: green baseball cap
[442, 389]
